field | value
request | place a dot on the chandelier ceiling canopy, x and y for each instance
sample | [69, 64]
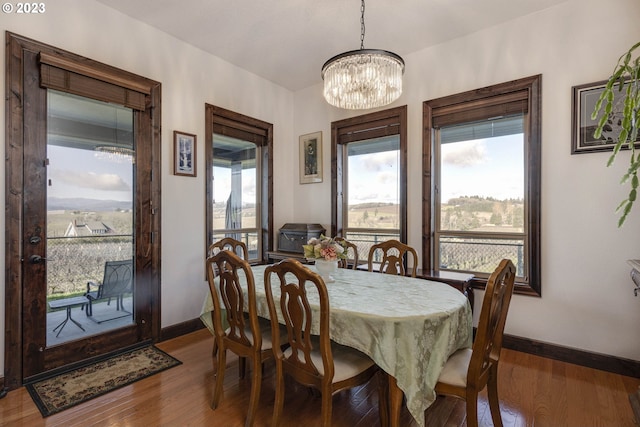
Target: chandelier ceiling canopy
[364, 78]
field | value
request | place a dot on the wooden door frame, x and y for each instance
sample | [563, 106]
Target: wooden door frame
[147, 200]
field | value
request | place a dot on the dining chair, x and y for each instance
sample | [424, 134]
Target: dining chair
[312, 360]
[244, 335]
[468, 371]
[351, 248]
[389, 257]
[238, 247]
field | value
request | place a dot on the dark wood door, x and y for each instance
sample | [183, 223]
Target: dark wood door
[34, 241]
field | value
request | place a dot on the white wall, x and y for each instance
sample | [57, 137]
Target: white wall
[190, 78]
[587, 300]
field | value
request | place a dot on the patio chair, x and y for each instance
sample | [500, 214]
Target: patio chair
[117, 281]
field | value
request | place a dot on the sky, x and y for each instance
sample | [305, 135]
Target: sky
[491, 167]
[222, 185]
[482, 167]
[82, 173]
[374, 178]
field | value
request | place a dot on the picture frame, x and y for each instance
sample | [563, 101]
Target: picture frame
[583, 103]
[184, 153]
[311, 158]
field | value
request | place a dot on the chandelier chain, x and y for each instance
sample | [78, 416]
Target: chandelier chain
[362, 25]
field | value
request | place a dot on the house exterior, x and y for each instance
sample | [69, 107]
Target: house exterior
[587, 301]
[88, 228]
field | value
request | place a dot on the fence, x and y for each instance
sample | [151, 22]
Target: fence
[364, 241]
[455, 253]
[480, 255]
[73, 261]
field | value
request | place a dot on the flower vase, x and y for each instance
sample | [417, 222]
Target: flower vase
[326, 268]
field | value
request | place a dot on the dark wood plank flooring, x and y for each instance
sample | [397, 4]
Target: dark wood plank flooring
[534, 391]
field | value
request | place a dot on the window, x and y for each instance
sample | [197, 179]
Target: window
[370, 180]
[482, 181]
[238, 185]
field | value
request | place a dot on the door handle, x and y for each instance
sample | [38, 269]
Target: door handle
[36, 259]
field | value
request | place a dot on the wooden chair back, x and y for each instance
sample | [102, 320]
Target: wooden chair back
[394, 256]
[493, 316]
[352, 253]
[469, 371]
[236, 246]
[311, 359]
[298, 318]
[243, 336]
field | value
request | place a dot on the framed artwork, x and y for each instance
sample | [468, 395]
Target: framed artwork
[584, 101]
[184, 154]
[311, 158]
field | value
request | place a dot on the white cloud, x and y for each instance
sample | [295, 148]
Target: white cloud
[387, 178]
[249, 189]
[99, 182]
[464, 154]
[379, 161]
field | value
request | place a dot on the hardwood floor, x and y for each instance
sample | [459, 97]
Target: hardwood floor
[533, 391]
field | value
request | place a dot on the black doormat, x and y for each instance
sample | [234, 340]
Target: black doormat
[70, 388]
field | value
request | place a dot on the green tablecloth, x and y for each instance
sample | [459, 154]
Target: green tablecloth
[408, 326]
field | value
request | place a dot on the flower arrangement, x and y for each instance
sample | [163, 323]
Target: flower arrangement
[324, 248]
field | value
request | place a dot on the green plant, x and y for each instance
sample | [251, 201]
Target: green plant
[624, 118]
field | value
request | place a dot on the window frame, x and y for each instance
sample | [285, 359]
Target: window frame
[490, 101]
[252, 130]
[381, 123]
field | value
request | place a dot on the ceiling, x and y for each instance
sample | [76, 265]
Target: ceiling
[288, 41]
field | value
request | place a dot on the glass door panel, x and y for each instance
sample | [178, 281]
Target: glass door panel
[90, 234]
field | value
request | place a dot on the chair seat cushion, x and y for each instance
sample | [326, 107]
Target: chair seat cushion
[455, 370]
[348, 362]
[265, 331]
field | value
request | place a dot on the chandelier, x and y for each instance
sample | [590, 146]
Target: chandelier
[114, 153]
[120, 149]
[364, 78]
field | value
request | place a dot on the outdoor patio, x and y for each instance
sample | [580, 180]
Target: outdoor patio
[109, 317]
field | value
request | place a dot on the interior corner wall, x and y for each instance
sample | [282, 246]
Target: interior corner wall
[190, 78]
[587, 298]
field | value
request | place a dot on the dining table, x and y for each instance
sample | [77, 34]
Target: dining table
[407, 326]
